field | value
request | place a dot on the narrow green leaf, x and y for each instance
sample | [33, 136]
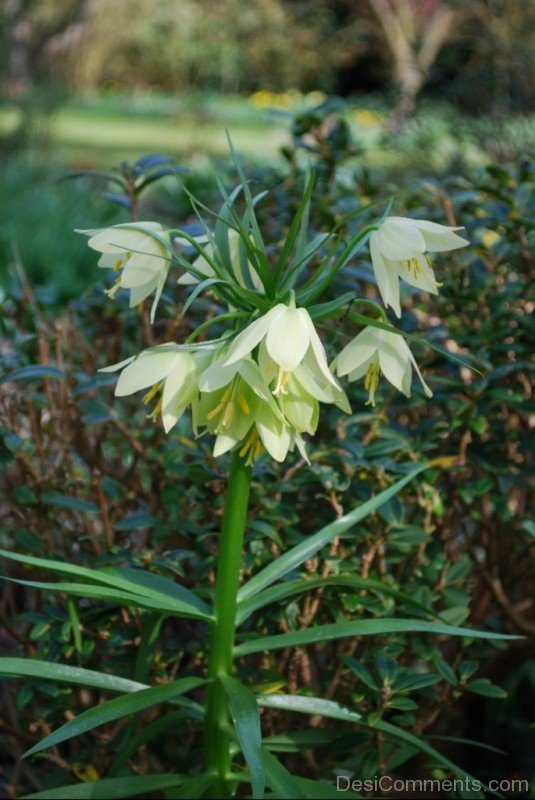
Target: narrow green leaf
[300, 741]
[329, 309]
[114, 709]
[316, 706]
[110, 788]
[104, 593]
[193, 788]
[364, 627]
[295, 226]
[197, 291]
[329, 708]
[48, 670]
[154, 729]
[142, 582]
[33, 372]
[246, 718]
[279, 779]
[290, 588]
[135, 581]
[302, 552]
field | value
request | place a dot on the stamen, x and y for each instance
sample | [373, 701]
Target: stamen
[282, 380]
[114, 289]
[243, 404]
[414, 266]
[228, 415]
[253, 447]
[118, 264]
[157, 410]
[371, 381]
[215, 411]
[151, 394]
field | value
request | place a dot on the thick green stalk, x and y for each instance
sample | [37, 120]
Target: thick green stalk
[223, 629]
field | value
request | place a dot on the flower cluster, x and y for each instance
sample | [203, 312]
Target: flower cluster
[259, 386]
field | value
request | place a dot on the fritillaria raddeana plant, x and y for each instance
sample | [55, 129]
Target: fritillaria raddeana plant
[257, 389]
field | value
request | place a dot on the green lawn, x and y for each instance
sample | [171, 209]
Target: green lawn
[105, 130]
[103, 135]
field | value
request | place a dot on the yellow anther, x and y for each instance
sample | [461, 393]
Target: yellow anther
[156, 410]
[228, 415]
[215, 411]
[414, 266]
[252, 447]
[243, 404]
[248, 442]
[229, 409]
[118, 264]
[151, 394]
[371, 381]
[282, 380]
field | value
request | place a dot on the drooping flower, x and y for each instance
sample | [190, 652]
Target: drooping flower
[375, 352]
[141, 252]
[290, 338]
[238, 407]
[207, 271]
[172, 375]
[398, 250]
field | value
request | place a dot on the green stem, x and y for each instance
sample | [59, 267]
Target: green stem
[220, 657]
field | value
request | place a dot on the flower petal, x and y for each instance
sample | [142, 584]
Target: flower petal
[119, 365]
[423, 278]
[399, 239]
[426, 388]
[141, 268]
[439, 238]
[274, 435]
[318, 350]
[139, 293]
[393, 358]
[223, 444]
[126, 236]
[358, 352]
[385, 272]
[146, 370]
[248, 339]
[287, 339]
[217, 375]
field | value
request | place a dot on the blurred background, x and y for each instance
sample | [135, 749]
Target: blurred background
[427, 86]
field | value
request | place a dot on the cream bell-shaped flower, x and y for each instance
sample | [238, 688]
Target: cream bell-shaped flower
[237, 406]
[398, 250]
[375, 352]
[290, 337]
[207, 271]
[172, 375]
[140, 251]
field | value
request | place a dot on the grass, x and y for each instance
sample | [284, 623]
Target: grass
[102, 131]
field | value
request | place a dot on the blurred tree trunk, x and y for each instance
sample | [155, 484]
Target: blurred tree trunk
[415, 32]
[17, 33]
